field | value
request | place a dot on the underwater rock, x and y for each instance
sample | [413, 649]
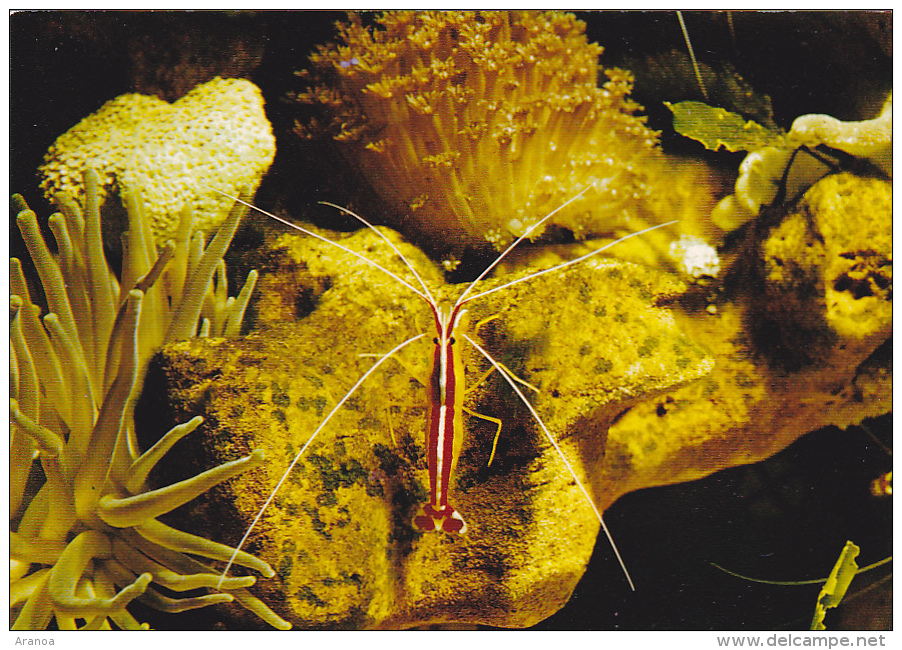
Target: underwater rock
[340, 534]
[216, 135]
[827, 269]
[800, 347]
[172, 52]
[473, 126]
[637, 394]
[664, 77]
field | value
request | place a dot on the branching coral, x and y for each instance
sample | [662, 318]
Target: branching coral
[473, 126]
[217, 134]
[774, 164]
[85, 540]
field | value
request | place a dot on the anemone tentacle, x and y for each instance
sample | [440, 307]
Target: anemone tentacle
[86, 543]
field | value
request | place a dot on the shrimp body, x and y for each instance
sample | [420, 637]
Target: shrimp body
[445, 385]
[444, 434]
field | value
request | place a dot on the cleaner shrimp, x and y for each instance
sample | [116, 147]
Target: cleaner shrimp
[445, 381]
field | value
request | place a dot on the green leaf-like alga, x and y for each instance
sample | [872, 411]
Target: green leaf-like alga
[718, 127]
[837, 584]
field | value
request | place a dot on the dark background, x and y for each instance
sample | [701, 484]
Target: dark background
[784, 519]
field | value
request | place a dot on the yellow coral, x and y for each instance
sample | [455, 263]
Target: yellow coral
[868, 138]
[476, 125]
[217, 134]
[83, 522]
[638, 395]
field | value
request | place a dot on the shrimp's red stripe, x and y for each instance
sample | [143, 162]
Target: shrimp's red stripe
[445, 429]
[435, 427]
[446, 424]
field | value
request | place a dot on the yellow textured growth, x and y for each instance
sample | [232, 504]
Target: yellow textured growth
[474, 125]
[795, 349]
[839, 270]
[216, 135]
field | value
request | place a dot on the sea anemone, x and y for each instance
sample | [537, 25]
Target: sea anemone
[473, 126]
[85, 539]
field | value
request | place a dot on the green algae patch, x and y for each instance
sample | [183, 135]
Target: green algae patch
[718, 127]
[837, 584]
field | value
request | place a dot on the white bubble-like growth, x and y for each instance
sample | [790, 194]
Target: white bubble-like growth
[695, 257]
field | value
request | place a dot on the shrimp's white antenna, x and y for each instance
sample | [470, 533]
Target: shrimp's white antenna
[573, 261]
[425, 296]
[507, 377]
[698, 72]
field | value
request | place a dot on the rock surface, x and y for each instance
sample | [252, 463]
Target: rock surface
[340, 533]
[798, 348]
[639, 384]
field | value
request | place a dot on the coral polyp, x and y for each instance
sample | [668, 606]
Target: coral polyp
[85, 538]
[473, 126]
